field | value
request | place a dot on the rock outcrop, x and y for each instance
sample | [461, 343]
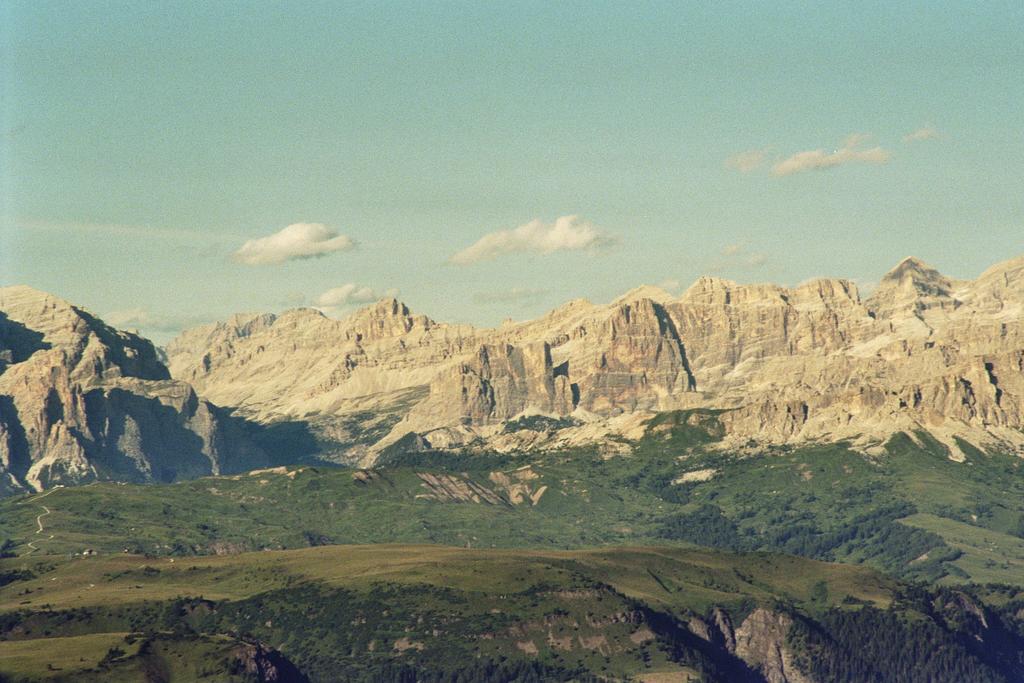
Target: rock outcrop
[263, 664]
[811, 363]
[638, 361]
[922, 353]
[81, 401]
[761, 643]
[814, 362]
[497, 383]
[451, 382]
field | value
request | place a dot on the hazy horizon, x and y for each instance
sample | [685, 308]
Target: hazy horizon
[168, 166]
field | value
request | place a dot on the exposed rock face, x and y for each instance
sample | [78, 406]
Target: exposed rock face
[809, 363]
[913, 293]
[80, 401]
[817, 363]
[726, 325]
[301, 363]
[497, 383]
[761, 643]
[265, 665]
[451, 382]
[639, 361]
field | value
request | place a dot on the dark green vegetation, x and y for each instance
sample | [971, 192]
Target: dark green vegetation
[401, 613]
[156, 604]
[910, 511]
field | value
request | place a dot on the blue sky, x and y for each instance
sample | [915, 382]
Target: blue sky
[144, 145]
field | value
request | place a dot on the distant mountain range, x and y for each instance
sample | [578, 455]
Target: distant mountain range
[81, 401]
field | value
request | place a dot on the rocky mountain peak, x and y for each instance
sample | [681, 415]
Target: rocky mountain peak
[1011, 270]
[91, 350]
[80, 401]
[913, 290]
[913, 272]
[656, 294]
[709, 290]
[246, 324]
[995, 300]
[833, 291]
[1001, 287]
[785, 363]
[388, 317]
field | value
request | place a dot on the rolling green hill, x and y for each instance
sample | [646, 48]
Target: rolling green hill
[911, 512]
[382, 612]
[565, 565]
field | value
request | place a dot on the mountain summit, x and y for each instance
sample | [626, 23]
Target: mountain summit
[80, 400]
[813, 362]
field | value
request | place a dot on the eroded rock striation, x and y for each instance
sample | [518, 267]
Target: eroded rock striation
[81, 401]
[815, 362]
[780, 365]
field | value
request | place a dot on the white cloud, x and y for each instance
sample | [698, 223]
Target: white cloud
[346, 294]
[337, 300]
[146, 321]
[926, 132]
[745, 162]
[734, 257]
[297, 241]
[568, 233]
[754, 260]
[818, 159]
[515, 295]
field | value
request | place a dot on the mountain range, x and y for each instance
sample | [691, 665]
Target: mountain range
[739, 483]
[816, 363]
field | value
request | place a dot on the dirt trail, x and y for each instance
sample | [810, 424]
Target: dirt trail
[39, 521]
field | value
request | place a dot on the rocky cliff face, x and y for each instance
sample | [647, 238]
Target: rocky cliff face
[263, 664]
[80, 401]
[497, 383]
[814, 362]
[761, 643]
[301, 363]
[924, 352]
[638, 362]
[455, 382]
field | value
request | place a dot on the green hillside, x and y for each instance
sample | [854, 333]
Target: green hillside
[565, 565]
[911, 512]
[379, 612]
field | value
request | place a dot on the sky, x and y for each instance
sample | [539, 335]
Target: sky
[169, 164]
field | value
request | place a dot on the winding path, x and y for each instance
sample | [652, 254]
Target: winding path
[39, 521]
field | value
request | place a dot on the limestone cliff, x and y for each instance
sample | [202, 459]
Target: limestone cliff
[760, 642]
[814, 362]
[80, 401]
[497, 383]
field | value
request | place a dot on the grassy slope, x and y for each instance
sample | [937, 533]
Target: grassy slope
[363, 612]
[825, 502]
[62, 655]
[670, 577]
[567, 606]
[988, 556]
[86, 658]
